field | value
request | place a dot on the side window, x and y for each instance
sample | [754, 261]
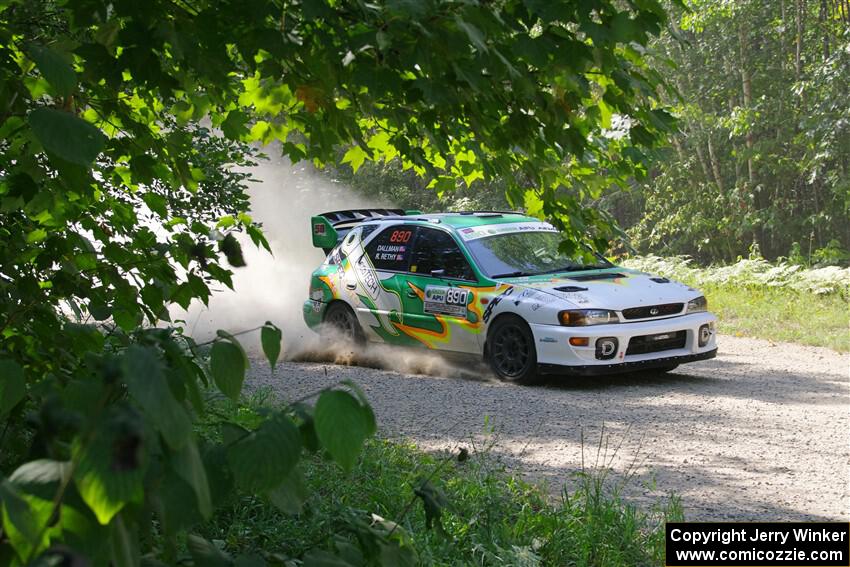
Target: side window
[437, 250]
[390, 250]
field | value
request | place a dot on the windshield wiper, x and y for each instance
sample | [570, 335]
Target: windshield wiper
[512, 275]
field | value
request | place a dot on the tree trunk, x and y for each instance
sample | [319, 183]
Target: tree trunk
[700, 155]
[715, 165]
[747, 90]
[822, 19]
[798, 67]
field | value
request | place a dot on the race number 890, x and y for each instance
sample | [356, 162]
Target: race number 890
[402, 236]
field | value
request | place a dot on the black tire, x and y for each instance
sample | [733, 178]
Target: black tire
[340, 318]
[511, 351]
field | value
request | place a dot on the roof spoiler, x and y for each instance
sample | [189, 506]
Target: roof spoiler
[329, 228]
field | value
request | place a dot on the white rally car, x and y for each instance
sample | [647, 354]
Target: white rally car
[494, 284]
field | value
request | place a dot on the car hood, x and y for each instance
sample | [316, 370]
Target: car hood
[611, 288]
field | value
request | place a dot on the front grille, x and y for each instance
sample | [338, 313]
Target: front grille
[656, 343]
[653, 311]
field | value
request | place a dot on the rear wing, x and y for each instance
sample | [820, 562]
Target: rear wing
[328, 229]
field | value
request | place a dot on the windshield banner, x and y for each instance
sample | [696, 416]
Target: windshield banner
[476, 232]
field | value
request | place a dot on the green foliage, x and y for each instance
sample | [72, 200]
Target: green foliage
[762, 149]
[125, 130]
[343, 423]
[780, 302]
[488, 517]
[750, 273]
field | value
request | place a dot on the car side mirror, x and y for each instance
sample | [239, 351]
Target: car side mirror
[438, 273]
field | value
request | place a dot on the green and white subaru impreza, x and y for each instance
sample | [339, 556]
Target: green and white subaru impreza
[494, 284]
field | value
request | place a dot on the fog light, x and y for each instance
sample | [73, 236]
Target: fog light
[579, 341]
[704, 335]
[606, 348]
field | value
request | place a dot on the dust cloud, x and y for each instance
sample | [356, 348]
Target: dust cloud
[273, 287]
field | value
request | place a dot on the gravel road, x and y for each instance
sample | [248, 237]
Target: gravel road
[760, 433]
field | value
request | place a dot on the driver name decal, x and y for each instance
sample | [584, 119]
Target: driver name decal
[445, 300]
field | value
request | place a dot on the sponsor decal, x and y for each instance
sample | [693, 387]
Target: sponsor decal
[366, 275]
[476, 232]
[577, 298]
[445, 300]
[548, 340]
[496, 300]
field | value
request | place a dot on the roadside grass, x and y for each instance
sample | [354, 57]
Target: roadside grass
[782, 315]
[778, 302]
[488, 516]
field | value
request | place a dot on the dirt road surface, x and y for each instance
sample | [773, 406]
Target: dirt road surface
[760, 433]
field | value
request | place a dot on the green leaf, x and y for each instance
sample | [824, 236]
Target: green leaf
[289, 496]
[270, 337]
[13, 387]
[232, 251]
[434, 501]
[55, 68]
[111, 467]
[342, 424]
[17, 513]
[125, 544]
[355, 156]
[264, 458]
[473, 33]
[321, 558]
[189, 466]
[67, 136]
[252, 560]
[234, 125]
[36, 474]
[148, 385]
[205, 553]
[227, 364]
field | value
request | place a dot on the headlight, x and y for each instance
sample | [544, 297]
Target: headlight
[697, 305]
[583, 317]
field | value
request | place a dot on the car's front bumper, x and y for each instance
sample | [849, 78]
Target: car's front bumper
[554, 348]
[314, 312]
[623, 367]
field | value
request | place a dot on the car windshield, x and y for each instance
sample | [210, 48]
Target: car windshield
[526, 254]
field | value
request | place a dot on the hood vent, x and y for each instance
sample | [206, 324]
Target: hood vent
[593, 277]
[660, 280]
[570, 288]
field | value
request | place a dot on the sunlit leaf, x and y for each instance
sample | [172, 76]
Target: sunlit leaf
[111, 464]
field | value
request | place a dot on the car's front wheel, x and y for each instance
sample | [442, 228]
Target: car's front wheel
[341, 320]
[511, 351]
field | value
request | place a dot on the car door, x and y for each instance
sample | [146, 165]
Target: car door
[438, 292]
[375, 279]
